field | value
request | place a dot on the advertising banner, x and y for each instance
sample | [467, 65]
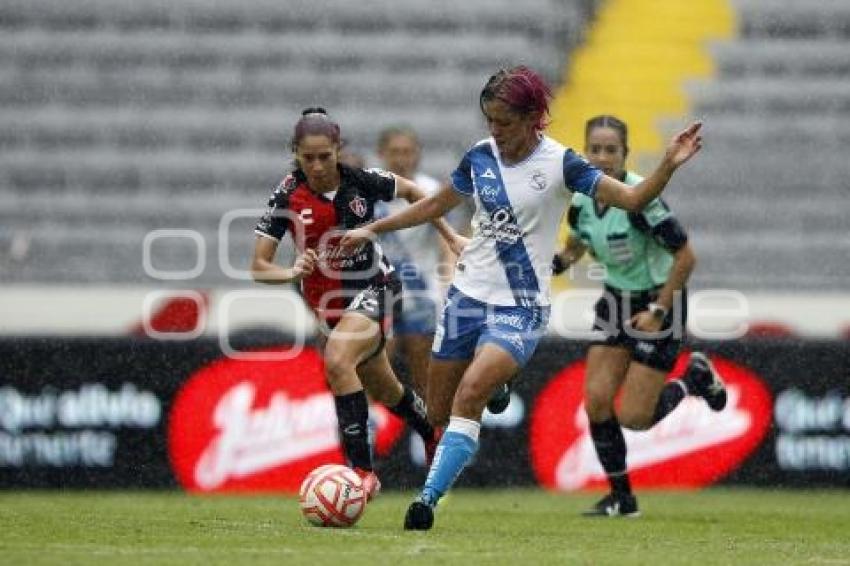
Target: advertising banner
[119, 413]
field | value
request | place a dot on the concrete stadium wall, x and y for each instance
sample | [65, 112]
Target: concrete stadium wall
[115, 311]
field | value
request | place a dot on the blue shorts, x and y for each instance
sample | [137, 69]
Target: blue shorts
[417, 315]
[466, 324]
[416, 312]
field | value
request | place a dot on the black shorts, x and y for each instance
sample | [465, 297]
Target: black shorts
[658, 352]
[377, 301]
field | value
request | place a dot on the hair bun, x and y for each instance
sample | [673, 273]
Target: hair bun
[314, 110]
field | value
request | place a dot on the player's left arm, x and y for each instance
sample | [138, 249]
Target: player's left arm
[682, 147]
[684, 261]
[670, 234]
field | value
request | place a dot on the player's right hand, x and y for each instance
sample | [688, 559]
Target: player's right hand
[356, 237]
[305, 263]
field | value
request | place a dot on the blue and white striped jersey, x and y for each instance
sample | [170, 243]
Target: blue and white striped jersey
[518, 209]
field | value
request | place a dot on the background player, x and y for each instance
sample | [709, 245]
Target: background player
[498, 305]
[351, 294]
[417, 254]
[648, 261]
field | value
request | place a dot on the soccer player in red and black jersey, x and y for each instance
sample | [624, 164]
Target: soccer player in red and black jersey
[352, 293]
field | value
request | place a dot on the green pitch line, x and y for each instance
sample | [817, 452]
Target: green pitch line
[516, 527]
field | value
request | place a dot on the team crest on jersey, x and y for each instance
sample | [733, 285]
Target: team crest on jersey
[358, 206]
[288, 184]
[538, 180]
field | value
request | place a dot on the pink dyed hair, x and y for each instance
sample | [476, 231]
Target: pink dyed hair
[522, 89]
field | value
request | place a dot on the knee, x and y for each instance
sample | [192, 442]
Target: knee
[635, 419]
[337, 366]
[598, 405]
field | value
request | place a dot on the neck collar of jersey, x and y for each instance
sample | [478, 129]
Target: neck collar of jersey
[531, 153]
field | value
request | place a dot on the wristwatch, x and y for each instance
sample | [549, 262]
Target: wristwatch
[657, 311]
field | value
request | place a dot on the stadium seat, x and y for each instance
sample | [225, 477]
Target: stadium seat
[766, 201]
[805, 58]
[119, 117]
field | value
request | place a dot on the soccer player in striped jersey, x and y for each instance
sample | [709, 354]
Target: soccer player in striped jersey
[641, 316]
[498, 306]
[351, 292]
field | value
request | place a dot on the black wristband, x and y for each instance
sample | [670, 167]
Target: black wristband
[558, 265]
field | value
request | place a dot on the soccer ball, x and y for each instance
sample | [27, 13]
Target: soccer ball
[332, 496]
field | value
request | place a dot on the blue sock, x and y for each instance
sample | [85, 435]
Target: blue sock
[457, 447]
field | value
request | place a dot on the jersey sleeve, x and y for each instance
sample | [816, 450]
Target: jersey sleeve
[574, 211]
[462, 177]
[379, 183]
[579, 175]
[273, 223]
[657, 220]
[572, 216]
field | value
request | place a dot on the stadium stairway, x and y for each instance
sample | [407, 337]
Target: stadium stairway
[633, 64]
[766, 200]
[119, 117]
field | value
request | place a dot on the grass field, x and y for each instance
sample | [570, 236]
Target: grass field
[526, 527]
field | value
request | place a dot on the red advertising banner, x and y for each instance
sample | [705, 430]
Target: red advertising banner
[249, 425]
[691, 447]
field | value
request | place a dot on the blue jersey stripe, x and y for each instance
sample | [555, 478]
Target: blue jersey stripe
[513, 254]
[579, 175]
[462, 177]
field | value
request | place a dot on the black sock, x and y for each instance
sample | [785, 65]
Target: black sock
[670, 397]
[352, 412]
[693, 375]
[411, 408]
[611, 449]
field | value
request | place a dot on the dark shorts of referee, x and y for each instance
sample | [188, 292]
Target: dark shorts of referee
[659, 350]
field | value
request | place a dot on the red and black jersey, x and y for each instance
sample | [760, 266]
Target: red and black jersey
[317, 221]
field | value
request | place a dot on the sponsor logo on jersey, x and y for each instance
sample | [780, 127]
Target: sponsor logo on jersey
[692, 447]
[489, 193]
[241, 425]
[358, 206]
[501, 226]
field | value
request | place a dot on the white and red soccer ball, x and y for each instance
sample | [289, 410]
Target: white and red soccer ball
[332, 496]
